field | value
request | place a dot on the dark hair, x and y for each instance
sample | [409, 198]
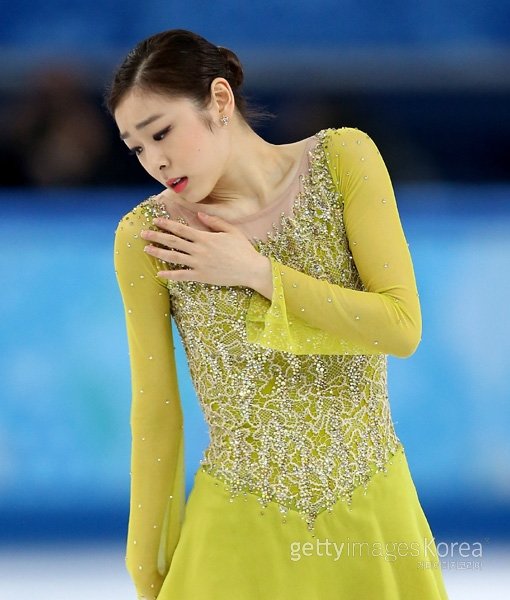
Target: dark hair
[180, 63]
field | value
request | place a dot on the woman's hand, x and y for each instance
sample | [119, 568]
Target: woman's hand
[224, 256]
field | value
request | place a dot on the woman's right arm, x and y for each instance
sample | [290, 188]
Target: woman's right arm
[157, 493]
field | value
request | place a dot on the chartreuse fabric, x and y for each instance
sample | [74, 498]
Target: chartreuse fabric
[304, 490]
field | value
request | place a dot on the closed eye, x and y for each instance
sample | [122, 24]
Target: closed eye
[161, 134]
[157, 137]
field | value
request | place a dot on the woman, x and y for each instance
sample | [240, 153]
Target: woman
[289, 278]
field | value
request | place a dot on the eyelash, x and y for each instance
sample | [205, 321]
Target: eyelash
[156, 137]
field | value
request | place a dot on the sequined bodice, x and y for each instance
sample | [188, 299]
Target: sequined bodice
[299, 430]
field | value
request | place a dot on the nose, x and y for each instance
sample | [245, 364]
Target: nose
[160, 164]
[162, 161]
[156, 161]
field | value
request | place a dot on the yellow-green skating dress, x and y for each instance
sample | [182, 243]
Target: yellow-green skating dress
[304, 491]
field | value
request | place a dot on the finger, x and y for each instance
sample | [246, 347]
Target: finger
[183, 275]
[168, 256]
[167, 239]
[179, 229]
[216, 223]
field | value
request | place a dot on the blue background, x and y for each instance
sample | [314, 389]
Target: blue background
[80, 25]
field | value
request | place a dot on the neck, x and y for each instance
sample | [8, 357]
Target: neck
[252, 182]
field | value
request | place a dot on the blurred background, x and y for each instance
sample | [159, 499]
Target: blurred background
[430, 83]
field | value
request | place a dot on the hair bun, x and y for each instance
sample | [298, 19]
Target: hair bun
[234, 67]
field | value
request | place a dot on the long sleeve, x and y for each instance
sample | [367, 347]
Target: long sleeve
[157, 491]
[309, 315]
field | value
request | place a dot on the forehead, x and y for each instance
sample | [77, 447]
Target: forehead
[138, 105]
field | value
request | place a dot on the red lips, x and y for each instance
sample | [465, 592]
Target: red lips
[177, 184]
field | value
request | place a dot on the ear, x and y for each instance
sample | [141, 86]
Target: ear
[222, 97]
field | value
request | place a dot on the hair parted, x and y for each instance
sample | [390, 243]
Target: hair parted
[180, 63]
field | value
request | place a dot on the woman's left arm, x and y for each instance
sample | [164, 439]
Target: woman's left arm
[309, 315]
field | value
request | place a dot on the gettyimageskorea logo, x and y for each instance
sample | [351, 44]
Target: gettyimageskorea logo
[461, 555]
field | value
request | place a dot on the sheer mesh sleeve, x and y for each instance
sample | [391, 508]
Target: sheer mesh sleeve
[157, 460]
[308, 315]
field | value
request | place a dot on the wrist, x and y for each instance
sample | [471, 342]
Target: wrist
[262, 277]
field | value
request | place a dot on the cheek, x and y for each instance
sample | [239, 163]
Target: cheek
[141, 162]
[150, 164]
[207, 154]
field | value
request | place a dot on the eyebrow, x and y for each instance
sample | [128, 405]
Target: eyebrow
[141, 125]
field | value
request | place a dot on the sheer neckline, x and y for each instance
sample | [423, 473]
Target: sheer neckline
[284, 193]
[298, 169]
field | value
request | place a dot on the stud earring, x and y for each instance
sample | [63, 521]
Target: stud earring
[225, 120]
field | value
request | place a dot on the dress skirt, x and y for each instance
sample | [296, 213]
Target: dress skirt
[379, 548]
